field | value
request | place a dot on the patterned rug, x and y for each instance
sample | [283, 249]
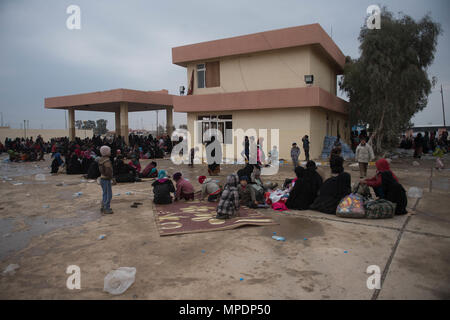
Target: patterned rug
[199, 216]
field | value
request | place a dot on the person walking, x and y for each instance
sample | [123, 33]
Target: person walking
[364, 154]
[305, 141]
[295, 153]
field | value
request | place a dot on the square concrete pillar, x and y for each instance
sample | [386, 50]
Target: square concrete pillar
[71, 124]
[117, 123]
[124, 120]
[169, 120]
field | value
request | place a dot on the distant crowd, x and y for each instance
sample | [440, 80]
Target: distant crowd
[423, 144]
[81, 156]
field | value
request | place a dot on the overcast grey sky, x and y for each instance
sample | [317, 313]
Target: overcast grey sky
[127, 44]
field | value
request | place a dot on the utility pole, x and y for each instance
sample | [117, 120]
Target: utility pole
[443, 110]
[65, 119]
[2, 118]
[25, 128]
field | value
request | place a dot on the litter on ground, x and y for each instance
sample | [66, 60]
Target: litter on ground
[11, 269]
[118, 281]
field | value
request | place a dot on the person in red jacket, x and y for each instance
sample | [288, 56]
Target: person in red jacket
[386, 186]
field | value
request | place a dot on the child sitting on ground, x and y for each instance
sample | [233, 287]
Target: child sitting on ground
[209, 187]
[246, 194]
[185, 190]
[229, 200]
[256, 191]
[257, 180]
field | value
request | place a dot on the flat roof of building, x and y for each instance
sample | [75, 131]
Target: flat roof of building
[109, 101]
[312, 34]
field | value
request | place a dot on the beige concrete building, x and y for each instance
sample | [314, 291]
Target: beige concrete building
[258, 81]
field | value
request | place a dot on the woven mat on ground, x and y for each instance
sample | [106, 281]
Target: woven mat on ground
[199, 216]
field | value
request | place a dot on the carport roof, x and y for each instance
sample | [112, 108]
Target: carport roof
[109, 101]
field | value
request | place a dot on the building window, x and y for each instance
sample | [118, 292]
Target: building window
[212, 74]
[201, 74]
[223, 123]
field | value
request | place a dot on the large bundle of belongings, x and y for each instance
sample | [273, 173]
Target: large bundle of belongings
[359, 204]
[328, 145]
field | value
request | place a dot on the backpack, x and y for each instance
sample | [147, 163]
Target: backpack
[351, 206]
[380, 209]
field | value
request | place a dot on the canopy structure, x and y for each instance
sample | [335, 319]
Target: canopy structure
[119, 101]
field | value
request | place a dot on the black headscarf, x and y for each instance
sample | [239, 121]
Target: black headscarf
[299, 172]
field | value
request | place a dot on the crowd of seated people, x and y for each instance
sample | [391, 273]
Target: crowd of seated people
[21, 150]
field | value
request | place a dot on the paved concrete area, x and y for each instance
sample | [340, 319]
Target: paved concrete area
[44, 229]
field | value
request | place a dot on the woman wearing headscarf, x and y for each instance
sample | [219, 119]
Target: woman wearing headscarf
[86, 161]
[162, 188]
[229, 200]
[386, 186]
[74, 165]
[333, 189]
[134, 163]
[150, 171]
[57, 162]
[124, 172]
[93, 171]
[246, 171]
[305, 189]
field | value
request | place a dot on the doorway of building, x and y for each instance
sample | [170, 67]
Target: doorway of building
[223, 123]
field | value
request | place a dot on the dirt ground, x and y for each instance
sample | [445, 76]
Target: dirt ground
[44, 229]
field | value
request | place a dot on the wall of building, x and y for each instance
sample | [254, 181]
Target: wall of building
[284, 68]
[320, 120]
[324, 74]
[277, 69]
[46, 134]
[293, 124]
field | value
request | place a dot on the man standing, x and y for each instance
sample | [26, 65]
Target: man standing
[295, 153]
[305, 140]
[364, 154]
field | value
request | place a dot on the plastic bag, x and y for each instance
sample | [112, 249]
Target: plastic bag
[11, 269]
[351, 206]
[439, 164]
[118, 281]
[415, 192]
[39, 177]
